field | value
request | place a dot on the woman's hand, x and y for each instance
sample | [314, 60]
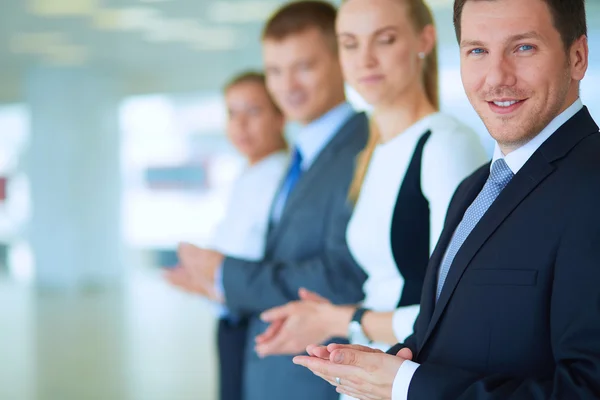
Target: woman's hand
[297, 324]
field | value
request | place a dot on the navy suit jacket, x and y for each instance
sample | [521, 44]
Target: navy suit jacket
[519, 314]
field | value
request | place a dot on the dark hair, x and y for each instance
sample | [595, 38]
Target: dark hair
[251, 77]
[568, 17]
[299, 16]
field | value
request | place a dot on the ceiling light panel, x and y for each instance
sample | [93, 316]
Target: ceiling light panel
[241, 11]
[35, 43]
[62, 8]
[126, 19]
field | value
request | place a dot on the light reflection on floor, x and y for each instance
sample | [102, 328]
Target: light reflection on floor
[149, 342]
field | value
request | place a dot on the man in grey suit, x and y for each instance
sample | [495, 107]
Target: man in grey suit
[306, 246]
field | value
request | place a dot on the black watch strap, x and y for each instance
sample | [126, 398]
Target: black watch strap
[358, 315]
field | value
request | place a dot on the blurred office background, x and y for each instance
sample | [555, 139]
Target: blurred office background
[112, 151]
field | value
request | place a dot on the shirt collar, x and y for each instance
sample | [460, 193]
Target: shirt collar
[314, 136]
[517, 159]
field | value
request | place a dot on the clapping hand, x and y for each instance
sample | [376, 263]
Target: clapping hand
[357, 371]
[196, 271]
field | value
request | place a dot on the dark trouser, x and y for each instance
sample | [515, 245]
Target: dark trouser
[232, 345]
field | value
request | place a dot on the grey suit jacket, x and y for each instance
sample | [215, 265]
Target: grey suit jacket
[307, 248]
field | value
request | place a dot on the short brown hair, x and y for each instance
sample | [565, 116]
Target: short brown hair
[568, 17]
[250, 77]
[299, 16]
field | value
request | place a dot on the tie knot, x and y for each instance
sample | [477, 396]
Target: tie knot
[501, 173]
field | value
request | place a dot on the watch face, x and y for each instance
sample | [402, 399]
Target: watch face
[356, 334]
[354, 327]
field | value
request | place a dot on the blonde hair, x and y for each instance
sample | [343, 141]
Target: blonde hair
[420, 16]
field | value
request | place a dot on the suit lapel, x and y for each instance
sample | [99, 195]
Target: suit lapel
[453, 219]
[515, 192]
[308, 178]
[533, 173]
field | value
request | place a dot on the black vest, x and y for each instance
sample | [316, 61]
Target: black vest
[410, 229]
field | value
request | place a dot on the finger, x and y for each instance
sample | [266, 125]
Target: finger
[336, 346]
[276, 313]
[182, 246]
[270, 332]
[357, 358]
[170, 276]
[329, 379]
[348, 387]
[184, 249]
[325, 367]
[306, 294]
[318, 351]
[405, 353]
[278, 345]
[177, 270]
[177, 277]
[347, 383]
[356, 394]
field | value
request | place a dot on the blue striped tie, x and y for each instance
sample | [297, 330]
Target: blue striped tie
[497, 181]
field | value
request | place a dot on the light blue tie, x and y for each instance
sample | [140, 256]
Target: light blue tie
[290, 181]
[498, 179]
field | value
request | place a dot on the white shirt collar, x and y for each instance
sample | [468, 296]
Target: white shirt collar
[314, 136]
[519, 157]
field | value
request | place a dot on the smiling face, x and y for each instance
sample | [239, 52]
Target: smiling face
[379, 49]
[514, 67]
[303, 75]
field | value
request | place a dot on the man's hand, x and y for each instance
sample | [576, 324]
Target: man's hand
[293, 327]
[299, 323]
[364, 373]
[277, 324]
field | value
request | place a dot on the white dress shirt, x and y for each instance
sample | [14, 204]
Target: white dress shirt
[313, 137]
[242, 232]
[515, 161]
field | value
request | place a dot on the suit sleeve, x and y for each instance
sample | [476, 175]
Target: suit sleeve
[574, 328]
[410, 342]
[253, 287]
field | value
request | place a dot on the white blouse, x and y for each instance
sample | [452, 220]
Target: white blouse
[452, 152]
[243, 231]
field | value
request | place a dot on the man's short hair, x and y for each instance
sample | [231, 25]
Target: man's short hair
[568, 17]
[299, 16]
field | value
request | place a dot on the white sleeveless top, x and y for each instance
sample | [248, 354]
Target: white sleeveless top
[452, 152]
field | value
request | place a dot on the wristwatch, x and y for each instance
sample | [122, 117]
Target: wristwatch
[356, 334]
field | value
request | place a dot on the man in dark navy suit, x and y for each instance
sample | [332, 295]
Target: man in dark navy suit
[511, 302]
